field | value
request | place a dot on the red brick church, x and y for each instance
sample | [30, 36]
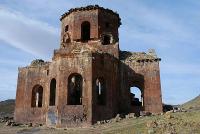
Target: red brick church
[89, 77]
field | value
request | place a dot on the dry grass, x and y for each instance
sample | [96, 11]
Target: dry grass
[193, 103]
[181, 123]
[178, 123]
[7, 107]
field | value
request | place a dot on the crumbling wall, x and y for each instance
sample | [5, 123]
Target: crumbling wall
[35, 74]
[141, 70]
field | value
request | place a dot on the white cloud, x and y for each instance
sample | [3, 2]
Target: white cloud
[157, 28]
[30, 35]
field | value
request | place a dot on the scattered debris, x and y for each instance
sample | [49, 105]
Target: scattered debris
[144, 113]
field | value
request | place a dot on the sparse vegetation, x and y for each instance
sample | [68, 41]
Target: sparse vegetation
[185, 122]
[7, 107]
[194, 103]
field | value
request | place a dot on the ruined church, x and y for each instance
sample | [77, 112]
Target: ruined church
[89, 78]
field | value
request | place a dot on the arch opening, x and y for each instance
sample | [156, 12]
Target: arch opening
[75, 84]
[37, 96]
[52, 99]
[107, 39]
[136, 96]
[100, 91]
[85, 31]
[66, 28]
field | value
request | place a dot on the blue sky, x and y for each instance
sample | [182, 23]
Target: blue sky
[31, 29]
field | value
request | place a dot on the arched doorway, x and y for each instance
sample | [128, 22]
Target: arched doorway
[37, 96]
[136, 96]
[52, 99]
[85, 31]
[136, 100]
[75, 85]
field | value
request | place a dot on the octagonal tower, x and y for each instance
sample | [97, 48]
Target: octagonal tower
[94, 26]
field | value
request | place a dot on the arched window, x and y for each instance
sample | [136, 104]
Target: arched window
[66, 28]
[85, 31]
[136, 96]
[75, 82]
[52, 98]
[37, 95]
[107, 39]
[100, 91]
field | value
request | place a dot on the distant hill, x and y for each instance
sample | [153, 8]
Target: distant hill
[7, 107]
[194, 103]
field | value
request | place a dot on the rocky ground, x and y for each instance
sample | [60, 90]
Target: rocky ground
[184, 120]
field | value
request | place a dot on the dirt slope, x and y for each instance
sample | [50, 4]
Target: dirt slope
[194, 103]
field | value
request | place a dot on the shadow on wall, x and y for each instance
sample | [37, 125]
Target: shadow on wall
[128, 78]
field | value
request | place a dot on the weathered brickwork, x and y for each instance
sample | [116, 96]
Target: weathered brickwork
[89, 78]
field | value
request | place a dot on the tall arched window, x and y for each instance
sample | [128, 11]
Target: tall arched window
[75, 82]
[100, 91]
[52, 99]
[37, 95]
[85, 31]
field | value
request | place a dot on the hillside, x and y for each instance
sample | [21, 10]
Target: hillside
[7, 107]
[194, 103]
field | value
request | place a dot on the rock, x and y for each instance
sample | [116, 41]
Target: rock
[99, 122]
[144, 113]
[16, 124]
[130, 115]
[13, 124]
[151, 124]
[107, 121]
[117, 118]
[183, 110]
[102, 122]
[30, 125]
[35, 125]
[168, 112]
[8, 123]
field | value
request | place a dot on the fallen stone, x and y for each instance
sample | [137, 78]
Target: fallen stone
[117, 118]
[144, 113]
[8, 123]
[98, 122]
[29, 125]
